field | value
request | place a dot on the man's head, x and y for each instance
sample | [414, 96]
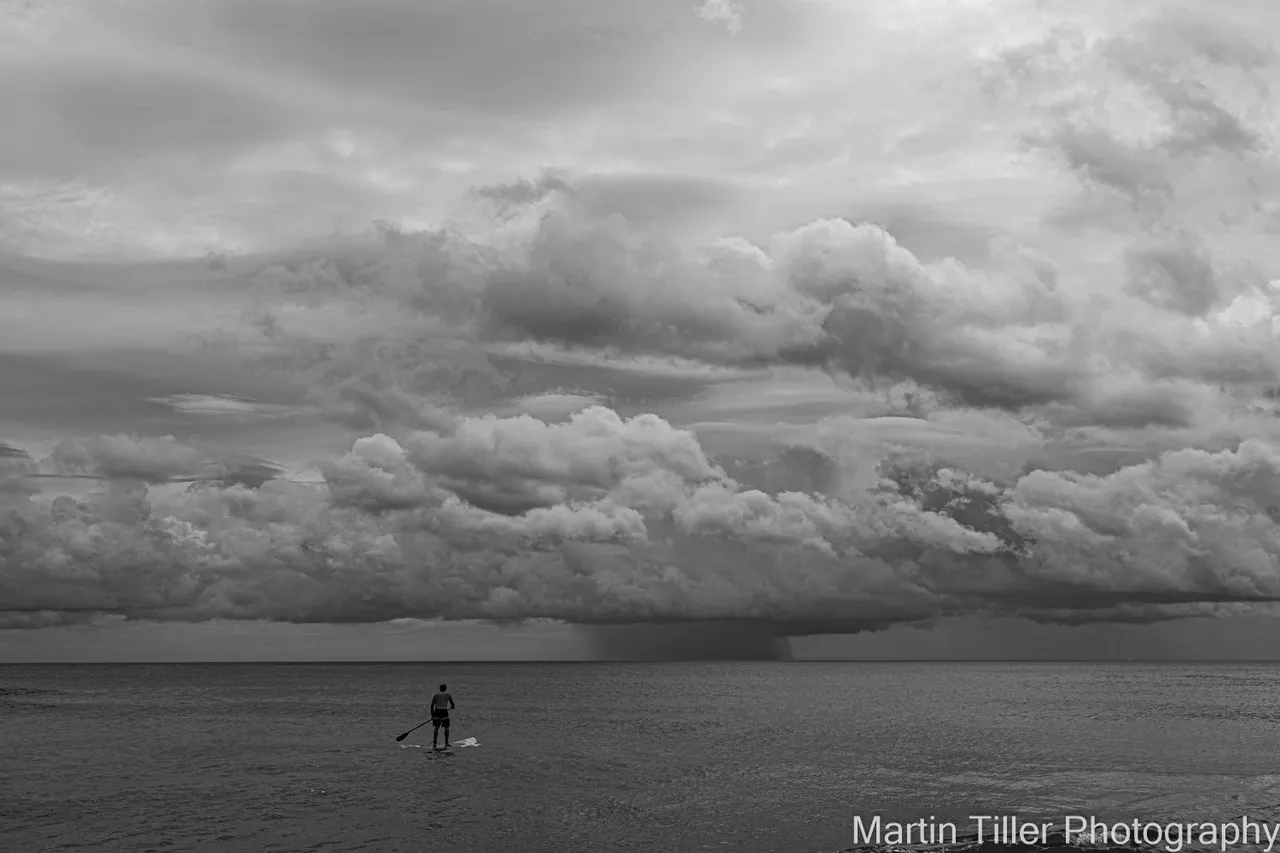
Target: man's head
[444, 687]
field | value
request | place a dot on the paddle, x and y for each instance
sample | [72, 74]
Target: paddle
[411, 731]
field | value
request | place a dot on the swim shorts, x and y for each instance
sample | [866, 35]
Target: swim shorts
[440, 717]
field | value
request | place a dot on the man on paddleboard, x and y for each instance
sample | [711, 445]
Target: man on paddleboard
[440, 705]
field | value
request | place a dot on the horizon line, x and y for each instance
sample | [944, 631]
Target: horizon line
[1275, 660]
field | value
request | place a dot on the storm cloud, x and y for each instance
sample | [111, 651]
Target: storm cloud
[588, 315]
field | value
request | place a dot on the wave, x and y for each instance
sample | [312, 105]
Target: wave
[26, 691]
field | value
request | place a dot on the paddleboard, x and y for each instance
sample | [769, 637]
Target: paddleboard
[459, 744]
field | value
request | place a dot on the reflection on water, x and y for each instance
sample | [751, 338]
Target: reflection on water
[743, 756]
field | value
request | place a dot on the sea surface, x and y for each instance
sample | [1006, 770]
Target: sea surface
[604, 756]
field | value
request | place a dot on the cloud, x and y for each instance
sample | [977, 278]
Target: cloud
[520, 463]
[860, 317]
[1000, 332]
[429, 56]
[1153, 52]
[653, 198]
[124, 457]
[221, 406]
[9, 452]
[555, 405]
[376, 475]
[1159, 523]
[1173, 276]
[689, 641]
[512, 196]
[604, 520]
[116, 116]
[726, 12]
[386, 335]
[140, 459]
[1177, 98]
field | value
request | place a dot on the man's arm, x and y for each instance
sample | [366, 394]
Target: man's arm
[451, 705]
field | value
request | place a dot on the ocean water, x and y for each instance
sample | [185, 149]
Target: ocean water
[602, 757]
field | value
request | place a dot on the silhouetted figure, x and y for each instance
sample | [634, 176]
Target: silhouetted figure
[440, 705]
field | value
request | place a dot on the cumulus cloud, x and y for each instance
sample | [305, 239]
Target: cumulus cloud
[578, 400]
[520, 463]
[430, 312]
[601, 517]
[154, 460]
[376, 475]
[605, 519]
[1157, 524]
[126, 457]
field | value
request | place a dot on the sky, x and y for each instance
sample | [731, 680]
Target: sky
[559, 330]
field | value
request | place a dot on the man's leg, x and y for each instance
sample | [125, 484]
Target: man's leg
[435, 733]
[446, 733]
